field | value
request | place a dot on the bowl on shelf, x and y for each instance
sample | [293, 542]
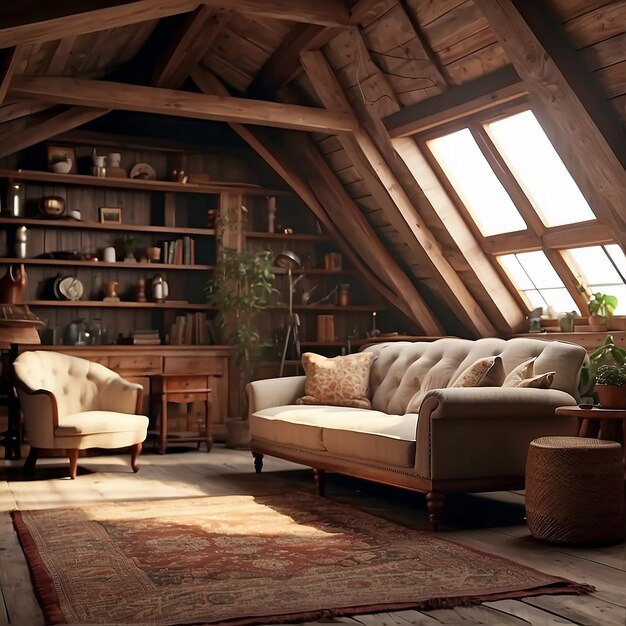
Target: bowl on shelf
[52, 206]
[62, 167]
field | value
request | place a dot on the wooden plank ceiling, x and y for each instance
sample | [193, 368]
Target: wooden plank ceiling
[343, 84]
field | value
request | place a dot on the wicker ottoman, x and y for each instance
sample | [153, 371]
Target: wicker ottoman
[575, 490]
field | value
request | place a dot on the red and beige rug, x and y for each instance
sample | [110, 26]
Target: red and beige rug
[250, 560]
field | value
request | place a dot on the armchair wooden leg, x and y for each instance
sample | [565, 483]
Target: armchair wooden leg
[258, 462]
[319, 478]
[31, 459]
[135, 451]
[434, 505]
[73, 454]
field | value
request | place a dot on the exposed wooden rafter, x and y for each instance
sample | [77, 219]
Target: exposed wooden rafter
[284, 64]
[485, 92]
[389, 280]
[581, 125]
[93, 93]
[14, 110]
[23, 24]
[9, 58]
[401, 213]
[43, 130]
[195, 37]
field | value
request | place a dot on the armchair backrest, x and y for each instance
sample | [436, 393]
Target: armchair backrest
[74, 382]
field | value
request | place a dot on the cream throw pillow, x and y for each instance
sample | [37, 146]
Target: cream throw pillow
[521, 372]
[540, 381]
[338, 381]
[486, 372]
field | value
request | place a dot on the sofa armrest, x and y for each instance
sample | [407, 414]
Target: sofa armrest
[263, 394]
[483, 432]
[120, 395]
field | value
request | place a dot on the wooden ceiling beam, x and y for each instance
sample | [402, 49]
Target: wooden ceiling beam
[50, 127]
[197, 34]
[284, 64]
[481, 94]
[580, 123]
[111, 95]
[401, 213]
[28, 24]
[9, 58]
[14, 110]
[368, 253]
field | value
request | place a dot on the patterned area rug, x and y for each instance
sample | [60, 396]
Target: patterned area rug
[249, 560]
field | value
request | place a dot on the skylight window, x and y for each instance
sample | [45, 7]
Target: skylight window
[603, 269]
[539, 170]
[537, 281]
[488, 203]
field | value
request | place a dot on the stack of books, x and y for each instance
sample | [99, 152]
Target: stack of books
[148, 337]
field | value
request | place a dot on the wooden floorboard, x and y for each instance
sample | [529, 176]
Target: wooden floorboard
[489, 522]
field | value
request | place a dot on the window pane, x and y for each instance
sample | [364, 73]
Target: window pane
[478, 187]
[599, 268]
[537, 281]
[594, 266]
[539, 269]
[618, 256]
[539, 170]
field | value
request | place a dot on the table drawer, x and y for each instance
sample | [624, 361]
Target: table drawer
[193, 365]
[185, 383]
[140, 364]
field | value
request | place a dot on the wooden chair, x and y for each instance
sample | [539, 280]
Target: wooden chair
[72, 404]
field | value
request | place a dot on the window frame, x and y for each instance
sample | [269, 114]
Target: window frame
[536, 236]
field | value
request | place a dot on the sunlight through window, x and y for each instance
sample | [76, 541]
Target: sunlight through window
[601, 268]
[537, 282]
[539, 170]
[476, 184]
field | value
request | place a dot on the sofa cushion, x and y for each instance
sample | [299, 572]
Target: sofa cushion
[342, 431]
[486, 372]
[338, 381]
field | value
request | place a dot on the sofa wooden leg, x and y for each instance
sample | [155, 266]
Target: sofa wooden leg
[319, 478]
[31, 459]
[73, 454]
[434, 504]
[258, 462]
[135, 451]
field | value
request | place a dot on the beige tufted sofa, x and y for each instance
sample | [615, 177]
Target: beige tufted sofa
[463, 439]
[72, 404]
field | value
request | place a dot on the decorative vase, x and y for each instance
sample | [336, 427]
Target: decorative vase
[611, 396]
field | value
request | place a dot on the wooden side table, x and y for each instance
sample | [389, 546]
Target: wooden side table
[608, 424]
[182, 389]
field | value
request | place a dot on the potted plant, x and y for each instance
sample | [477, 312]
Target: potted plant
[601, 308]
[130, 244]
[239, 290]
[611, 386]
[608, 354]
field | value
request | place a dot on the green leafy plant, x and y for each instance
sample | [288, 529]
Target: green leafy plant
[239, 290]
[602, 304]
[608, 350]
[610, 375]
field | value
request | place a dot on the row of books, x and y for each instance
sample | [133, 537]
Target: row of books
[192, 329]
[179, 251]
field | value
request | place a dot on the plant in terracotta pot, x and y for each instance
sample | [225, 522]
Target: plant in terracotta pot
[611, 386]
[601, 307]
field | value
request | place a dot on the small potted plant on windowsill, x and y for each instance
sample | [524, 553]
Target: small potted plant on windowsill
[601, 307]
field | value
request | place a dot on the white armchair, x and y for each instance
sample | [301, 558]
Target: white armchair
[72, 404]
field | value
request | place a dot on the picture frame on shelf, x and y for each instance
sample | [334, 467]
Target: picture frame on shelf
[110, 215]
[61, 159]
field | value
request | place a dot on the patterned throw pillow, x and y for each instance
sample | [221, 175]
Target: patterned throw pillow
[338, 381]
[486, 372]
[522, 372]
[540, 381]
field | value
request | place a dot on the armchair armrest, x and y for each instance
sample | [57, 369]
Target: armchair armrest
[40, 412]
[483, 432]
[120, 395]
[270, 392]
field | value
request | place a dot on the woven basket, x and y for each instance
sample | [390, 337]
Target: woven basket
[575, 490]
